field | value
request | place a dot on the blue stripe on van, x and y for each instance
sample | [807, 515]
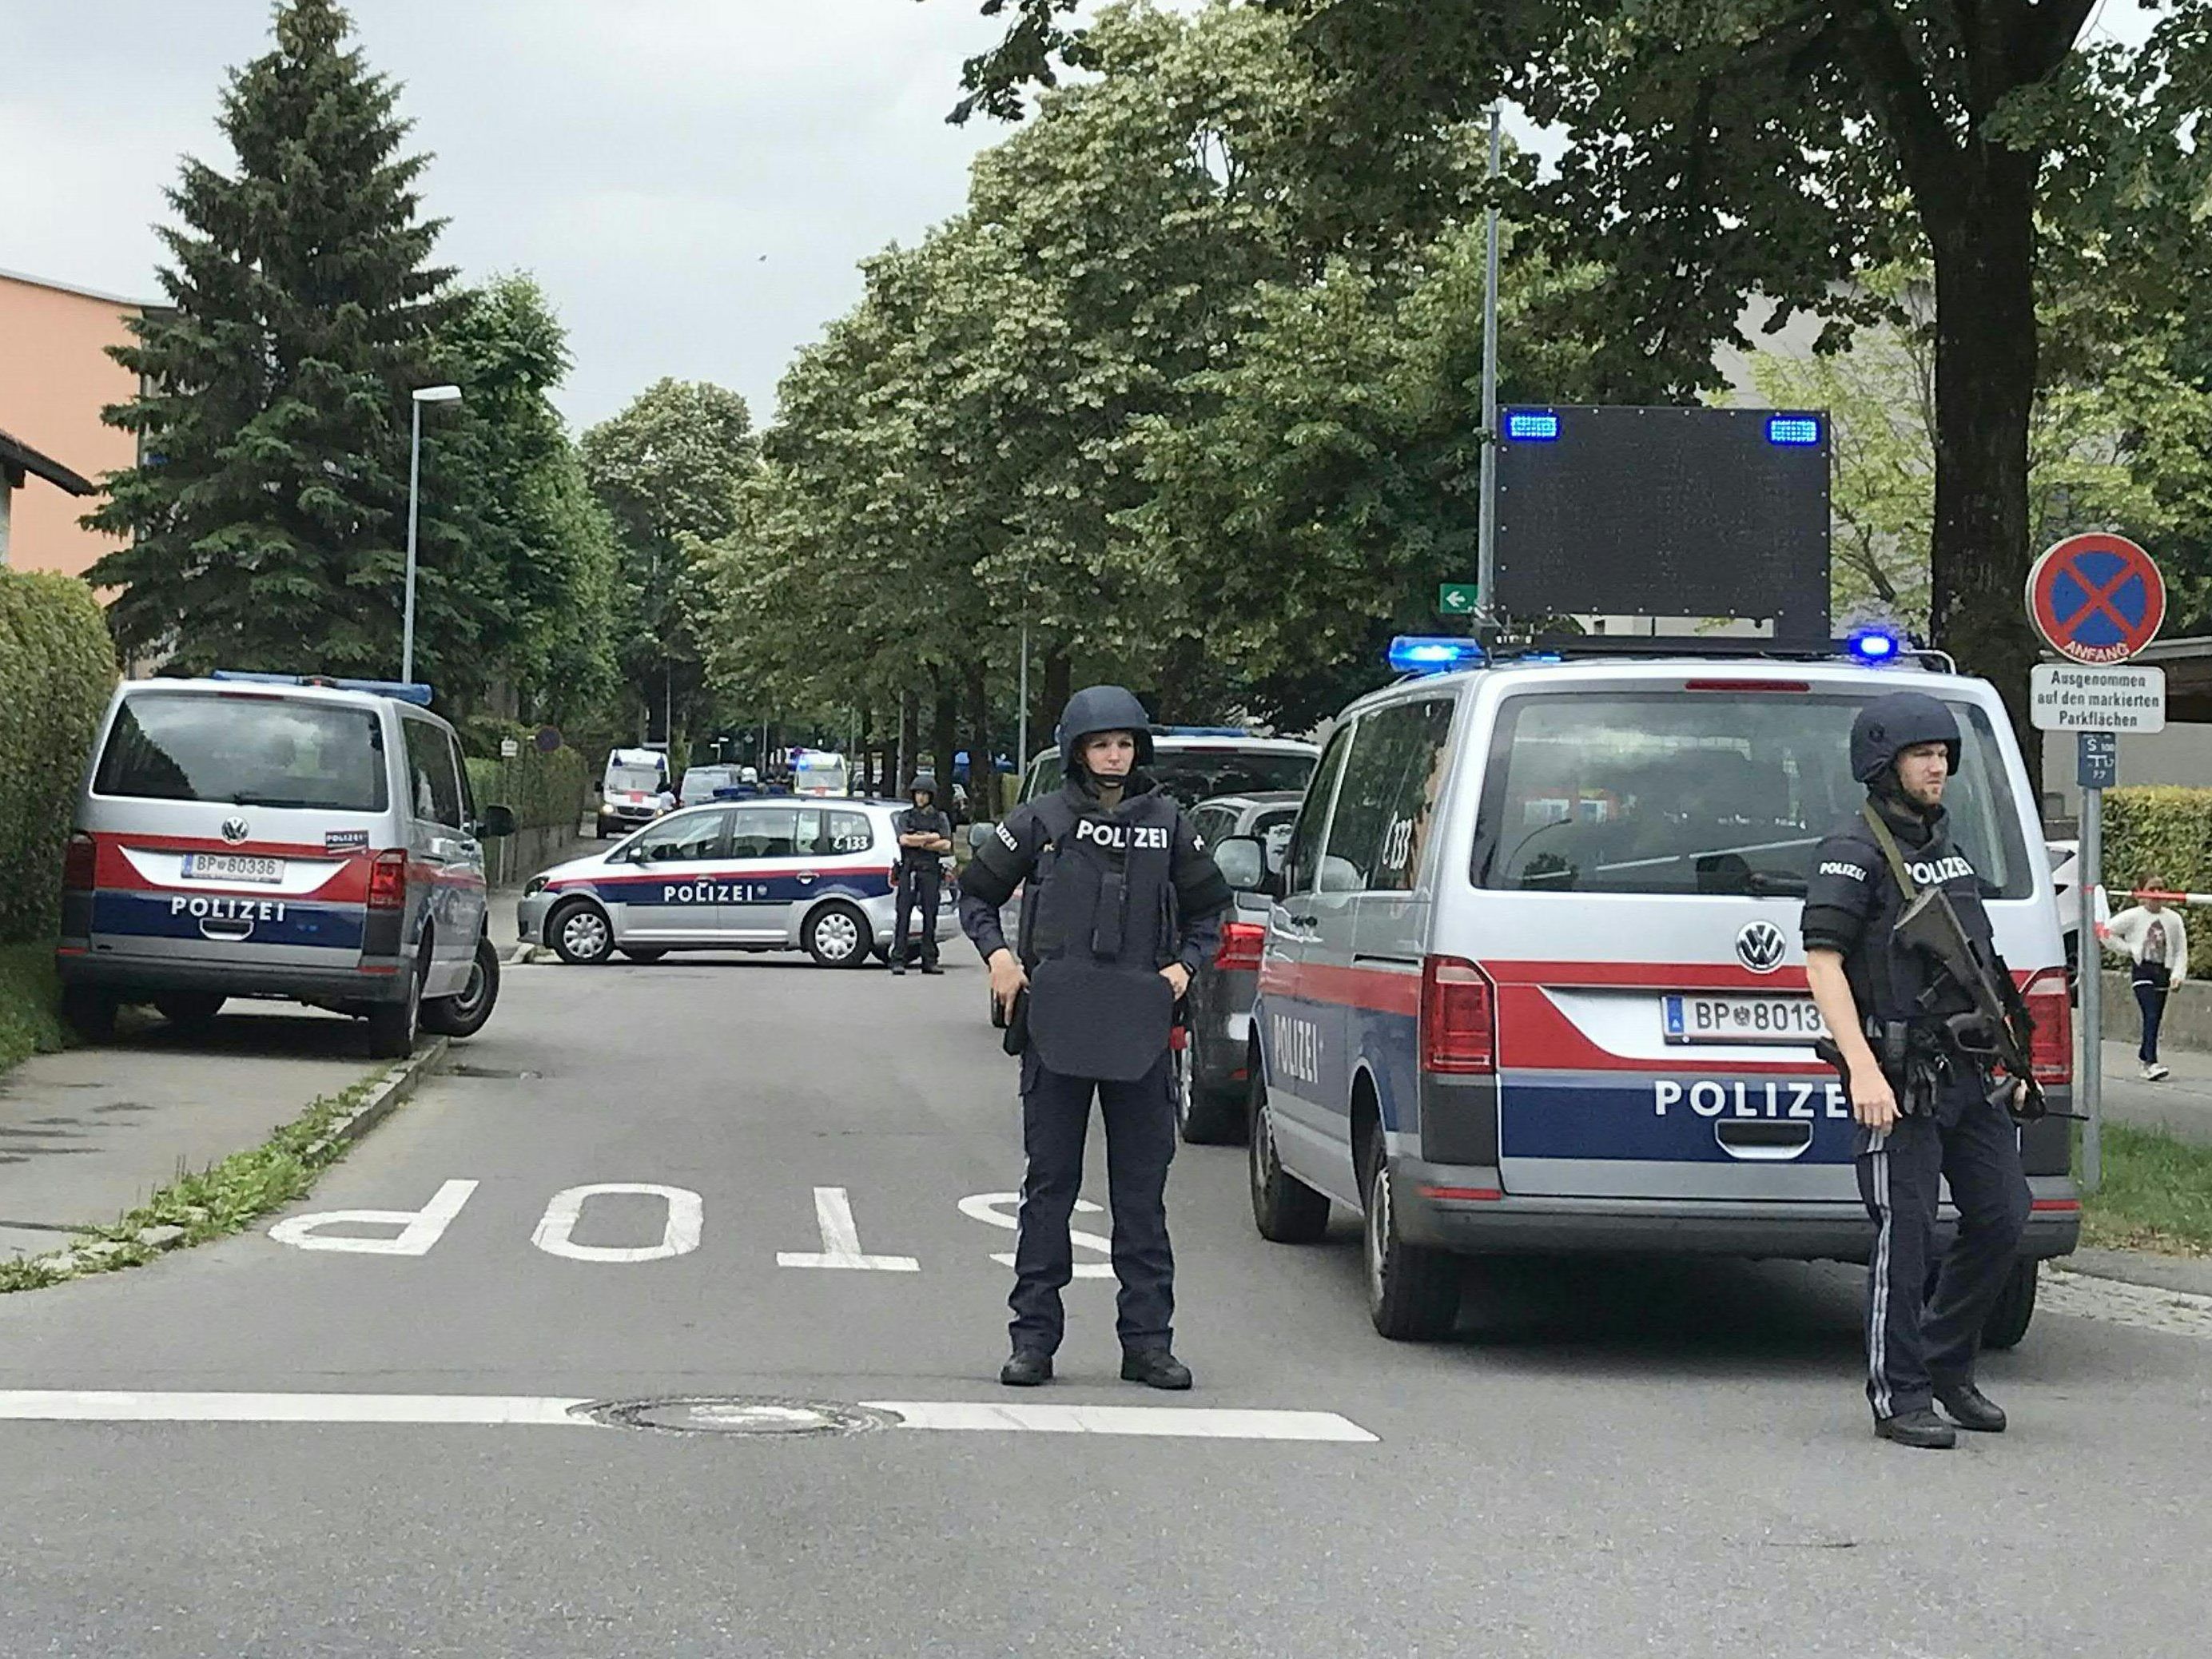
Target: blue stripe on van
[275, 921]
[1667, 1117]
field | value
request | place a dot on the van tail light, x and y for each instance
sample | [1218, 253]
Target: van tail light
[80, 864]
[2052, 1047]
[1459, 1017]
[1241, 942]
[387, 880]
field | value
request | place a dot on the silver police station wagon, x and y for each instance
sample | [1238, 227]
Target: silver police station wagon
[265, 835]
[769, 874]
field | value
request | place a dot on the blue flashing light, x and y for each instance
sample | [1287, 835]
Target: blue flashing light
[412, 691]
[1200, 732]
[1874, 646]
[1532, 426]
[1415, 654]
[1796, 430]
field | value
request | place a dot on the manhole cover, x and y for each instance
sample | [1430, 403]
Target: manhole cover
[740, 1414]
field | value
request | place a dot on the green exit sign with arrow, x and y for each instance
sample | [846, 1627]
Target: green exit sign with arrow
[1457, 599]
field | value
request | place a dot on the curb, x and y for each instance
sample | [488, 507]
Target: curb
[397, 1085]
[2188, 1276]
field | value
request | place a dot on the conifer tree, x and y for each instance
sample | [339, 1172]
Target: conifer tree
[267, 516]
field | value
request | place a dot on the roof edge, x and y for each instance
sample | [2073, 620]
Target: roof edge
[83, 292]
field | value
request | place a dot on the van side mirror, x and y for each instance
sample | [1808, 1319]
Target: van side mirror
[497, 821]
[1244, 864]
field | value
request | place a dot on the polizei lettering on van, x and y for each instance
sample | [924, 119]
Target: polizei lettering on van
[1297, 1048]
[227, 909]
[1776, 1097]
[714, 892]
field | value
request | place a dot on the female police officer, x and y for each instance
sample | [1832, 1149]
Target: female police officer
[1924, 1108]
[1121, 905]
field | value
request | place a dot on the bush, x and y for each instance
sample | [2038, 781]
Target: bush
[545, 790]
[30, 1003]
[2164, 833]
[56, 672]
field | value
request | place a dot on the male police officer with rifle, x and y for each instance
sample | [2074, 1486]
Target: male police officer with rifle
[1932, 1040]
[925, 835]
[1122, 903]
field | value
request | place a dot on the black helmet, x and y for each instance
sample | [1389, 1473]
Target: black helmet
[922, 783]
[1889, 725]
[1098, 709]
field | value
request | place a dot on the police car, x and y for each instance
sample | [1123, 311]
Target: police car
[1533, 978]
[767, 874]
[266, 835]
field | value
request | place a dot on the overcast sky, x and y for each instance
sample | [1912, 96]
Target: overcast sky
[693, 181]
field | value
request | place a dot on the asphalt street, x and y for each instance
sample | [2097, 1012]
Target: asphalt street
[1612, 1457]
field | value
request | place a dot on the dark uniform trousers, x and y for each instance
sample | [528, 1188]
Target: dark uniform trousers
[921, 886]
[1921, 1338]
[1140, 1142]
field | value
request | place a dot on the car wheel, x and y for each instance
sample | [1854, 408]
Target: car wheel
[1283, 1208]
[2010, 1314]
[838, 936]
[581, 933]
[189, 1011]
[89, 1012]
[463, 1015]
[392, 1026]
[1204, 1114]
[641, 955]
[1413, 1292]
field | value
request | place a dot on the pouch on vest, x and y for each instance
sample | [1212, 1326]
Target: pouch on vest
[1096, 1019]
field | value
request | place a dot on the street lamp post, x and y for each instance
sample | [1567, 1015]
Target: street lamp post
[427, 394]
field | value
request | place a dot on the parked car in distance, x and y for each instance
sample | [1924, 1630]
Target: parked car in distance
[1218, 1025]
[268, 835]
[702, 783]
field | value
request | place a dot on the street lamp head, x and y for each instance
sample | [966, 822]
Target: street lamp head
[438, 394]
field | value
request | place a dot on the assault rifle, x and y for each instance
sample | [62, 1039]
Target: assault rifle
[1997, 1032]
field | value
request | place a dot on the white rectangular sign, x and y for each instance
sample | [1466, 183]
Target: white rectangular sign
[2071, 697]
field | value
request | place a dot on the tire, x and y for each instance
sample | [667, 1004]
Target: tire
[393, 1026]
[189, 1011]
[463, 1015]
[1203, 1115]
[640, 955]
[1412, 1292]
[581, 933]
[1283, 1208]
[89, 1011]
[838, 936]
[2010, 1314]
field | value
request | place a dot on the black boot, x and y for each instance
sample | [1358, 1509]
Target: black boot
[898, 964]
[931, 968]
[1156, 1368]
[1969, 1408]
[1920, 1427]
[1027, 1369]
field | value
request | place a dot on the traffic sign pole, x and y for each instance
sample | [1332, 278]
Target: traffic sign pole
[2095, 752]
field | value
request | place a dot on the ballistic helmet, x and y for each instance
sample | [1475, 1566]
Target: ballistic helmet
[1098, 709]
[922, 783]
[1889, 725]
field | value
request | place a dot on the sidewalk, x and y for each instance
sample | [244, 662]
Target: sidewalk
[2182, 1105]
[87, 1134]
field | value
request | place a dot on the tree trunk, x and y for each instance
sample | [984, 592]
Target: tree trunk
[1986, 368]
[981, 803]
[863, 759]
[1059, 687]
[944, 722]
[909, 748]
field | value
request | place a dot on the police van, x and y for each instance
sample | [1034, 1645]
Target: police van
[1533, 980]
[268, 836]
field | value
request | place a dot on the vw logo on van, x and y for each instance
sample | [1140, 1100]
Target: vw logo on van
[1760, 946]
[235, 830]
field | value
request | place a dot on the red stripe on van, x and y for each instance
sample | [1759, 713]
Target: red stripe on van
[1652, 975]
[1381, 989]
[113, 872]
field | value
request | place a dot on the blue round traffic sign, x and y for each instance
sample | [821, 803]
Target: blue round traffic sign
[2097, 598]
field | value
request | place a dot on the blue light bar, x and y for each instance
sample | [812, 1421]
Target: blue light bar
[1793, 429]
[1200, 732]
[1874, 645]
[1416, 653]
[1532, 426]
[405, 692]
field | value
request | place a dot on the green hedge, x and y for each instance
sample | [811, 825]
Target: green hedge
[2162, 832]
[56, 672]
[545, 790]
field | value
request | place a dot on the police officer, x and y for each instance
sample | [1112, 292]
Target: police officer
[925, 835]
[1923, 1109]
[1123, 902]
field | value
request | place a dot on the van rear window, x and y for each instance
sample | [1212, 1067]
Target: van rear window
[1704, 793]
[246, 751]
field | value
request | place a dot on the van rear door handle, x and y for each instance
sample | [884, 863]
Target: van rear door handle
[806, 877]
[1304, 921]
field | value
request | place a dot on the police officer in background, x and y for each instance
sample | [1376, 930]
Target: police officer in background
[925, 835]
[1123, 902]
[1923, 1108]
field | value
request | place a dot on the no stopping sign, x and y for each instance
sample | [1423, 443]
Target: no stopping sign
[2097, 598]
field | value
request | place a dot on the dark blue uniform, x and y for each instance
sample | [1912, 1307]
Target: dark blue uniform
[921, 878]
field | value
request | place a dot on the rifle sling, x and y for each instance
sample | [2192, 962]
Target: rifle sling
[1888, 843]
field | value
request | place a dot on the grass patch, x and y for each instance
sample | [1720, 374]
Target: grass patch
[226, 1197]
[30, 1004]
[2157, 1194]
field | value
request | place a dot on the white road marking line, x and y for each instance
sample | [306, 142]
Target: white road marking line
[841, 1241]
[418, 1229]
[1003, 1210]
[131, 1406]
[679, 1234]
[1196, 1422]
